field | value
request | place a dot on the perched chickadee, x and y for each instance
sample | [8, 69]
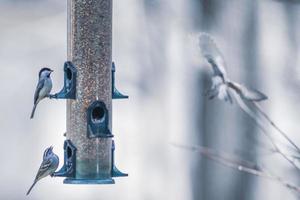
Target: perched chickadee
[220, 82]
[43, 87]
[48, 166]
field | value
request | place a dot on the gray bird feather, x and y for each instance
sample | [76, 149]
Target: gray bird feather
[39, 86]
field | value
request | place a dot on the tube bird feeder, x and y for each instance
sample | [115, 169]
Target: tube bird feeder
[89, 147]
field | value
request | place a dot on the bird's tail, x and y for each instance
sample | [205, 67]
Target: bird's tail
[33, 110]
[31, 187]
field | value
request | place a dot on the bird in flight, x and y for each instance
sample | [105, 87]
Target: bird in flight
[221, 84]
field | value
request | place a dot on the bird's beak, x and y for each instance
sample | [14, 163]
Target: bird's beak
[51, 71]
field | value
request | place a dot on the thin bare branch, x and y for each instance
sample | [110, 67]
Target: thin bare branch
[249, 168]
[289, 150]
[250, 113]
[260, 110]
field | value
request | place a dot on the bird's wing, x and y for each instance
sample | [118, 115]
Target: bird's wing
[39, 86]
[212, 54]
[44, 169]
[247, 93]
[253, 94]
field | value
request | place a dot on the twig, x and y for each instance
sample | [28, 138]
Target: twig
[292, 152]
[236, 164]
[289, 151]
[249, 112]
[258, 107]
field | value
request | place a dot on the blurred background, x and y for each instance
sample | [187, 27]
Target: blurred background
[159, 66]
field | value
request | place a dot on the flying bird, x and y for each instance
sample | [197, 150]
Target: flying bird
[220, 81]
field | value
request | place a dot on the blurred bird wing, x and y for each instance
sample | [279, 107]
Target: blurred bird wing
[39, 86]
[212, 54]
[247, 93]
[253, 95]
[223, 93]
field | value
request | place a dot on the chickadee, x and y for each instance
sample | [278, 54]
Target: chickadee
[220, 82]
[43, 87]
[48, 166]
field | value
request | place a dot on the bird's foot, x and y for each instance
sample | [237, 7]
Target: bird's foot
[52, 96]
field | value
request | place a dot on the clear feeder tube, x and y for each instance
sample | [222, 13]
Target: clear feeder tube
[90, 50]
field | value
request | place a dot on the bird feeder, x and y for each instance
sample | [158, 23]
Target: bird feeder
[69, 89]
[89, 146]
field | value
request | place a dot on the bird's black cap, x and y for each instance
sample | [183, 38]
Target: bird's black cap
[45, 69]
